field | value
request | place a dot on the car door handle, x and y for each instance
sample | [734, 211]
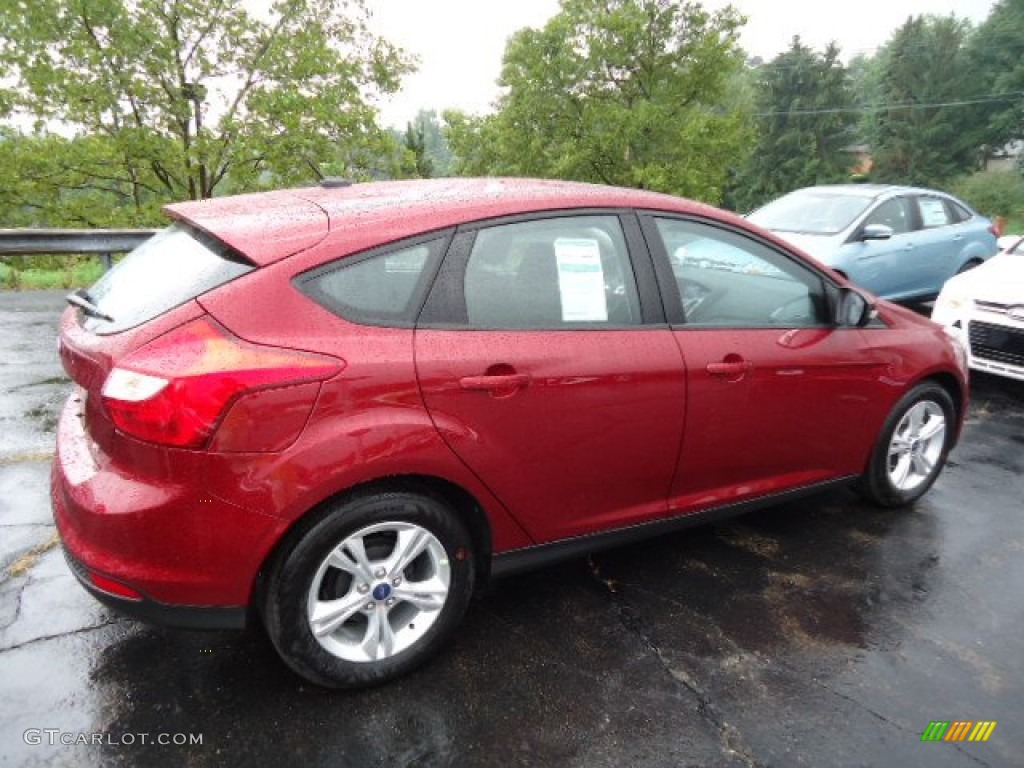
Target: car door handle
[491, 383]
[733, 368]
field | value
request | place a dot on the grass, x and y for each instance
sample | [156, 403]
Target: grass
[1014, 225]
[74, 273]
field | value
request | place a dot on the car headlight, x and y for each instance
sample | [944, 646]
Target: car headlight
[950, 305]
[953, 301]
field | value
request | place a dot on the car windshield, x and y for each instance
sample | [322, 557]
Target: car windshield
[811, 212]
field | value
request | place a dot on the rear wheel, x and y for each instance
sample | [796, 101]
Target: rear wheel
[968, 265]
[912, 447]
[371, 591]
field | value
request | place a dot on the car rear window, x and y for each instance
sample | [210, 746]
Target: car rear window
[174, 266]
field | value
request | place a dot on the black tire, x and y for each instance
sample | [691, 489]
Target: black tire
[289, 601]
[969, 265]
[877, 484]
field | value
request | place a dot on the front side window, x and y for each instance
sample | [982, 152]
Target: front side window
[551, 273]
[894, 213]
[725, 279]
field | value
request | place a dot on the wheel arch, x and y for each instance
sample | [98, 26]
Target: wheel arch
[967, 263]
[952, 385]
[465, 505]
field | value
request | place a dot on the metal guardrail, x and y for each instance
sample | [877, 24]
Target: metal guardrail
[105, 242]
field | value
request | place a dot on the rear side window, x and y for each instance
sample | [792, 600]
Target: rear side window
[957, 212]
[172, 267]
[551, 273]
[382, 288]
[933, 212]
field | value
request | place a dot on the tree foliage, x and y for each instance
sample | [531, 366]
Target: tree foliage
[923, 132]
[425, 143]
[416, 146]
[173, 99]
[997, 48]
[49, 180]
[626, 92]
[803, 121]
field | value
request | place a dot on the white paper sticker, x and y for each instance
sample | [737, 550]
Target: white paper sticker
[581, 280]
[933, 212]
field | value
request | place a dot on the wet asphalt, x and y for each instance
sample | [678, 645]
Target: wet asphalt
[818, 633]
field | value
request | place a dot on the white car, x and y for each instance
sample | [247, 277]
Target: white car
[984, 308]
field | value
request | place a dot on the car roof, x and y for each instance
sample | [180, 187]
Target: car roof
[870, 190]
[271, 225]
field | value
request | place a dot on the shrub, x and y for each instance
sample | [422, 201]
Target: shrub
[993, 193]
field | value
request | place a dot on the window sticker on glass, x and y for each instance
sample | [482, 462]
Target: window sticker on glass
[581, 281]
[933, 212]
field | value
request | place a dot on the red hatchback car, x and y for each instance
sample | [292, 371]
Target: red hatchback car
[341, 410]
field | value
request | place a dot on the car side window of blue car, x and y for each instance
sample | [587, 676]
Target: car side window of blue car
[933, 212]
[894, 213]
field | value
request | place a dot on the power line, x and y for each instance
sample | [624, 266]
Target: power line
[991, 98]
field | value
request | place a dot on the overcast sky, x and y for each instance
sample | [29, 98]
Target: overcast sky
[460, 42]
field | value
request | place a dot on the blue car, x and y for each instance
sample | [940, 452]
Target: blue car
[900, 243]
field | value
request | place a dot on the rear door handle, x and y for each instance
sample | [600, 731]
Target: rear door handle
[491, 383]
[737, 368]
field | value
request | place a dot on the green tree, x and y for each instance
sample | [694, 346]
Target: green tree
[49, 180]
[627, 92]
[865, 82]
[423, 150]
[416, 145]
[803, 122]
[997, 49]
[435, 143]
[923, 132]
[185, 98]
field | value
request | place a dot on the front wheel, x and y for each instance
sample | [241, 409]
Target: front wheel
[912, 447]
[370, 591]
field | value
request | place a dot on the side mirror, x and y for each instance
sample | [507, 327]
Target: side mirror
[877, 232]
[852, 310]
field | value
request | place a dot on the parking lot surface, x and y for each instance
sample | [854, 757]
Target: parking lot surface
[816, 633]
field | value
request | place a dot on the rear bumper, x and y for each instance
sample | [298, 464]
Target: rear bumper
[153, 612]
[186, 553]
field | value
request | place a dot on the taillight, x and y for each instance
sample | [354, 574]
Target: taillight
[174, 390]
[996, 228]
